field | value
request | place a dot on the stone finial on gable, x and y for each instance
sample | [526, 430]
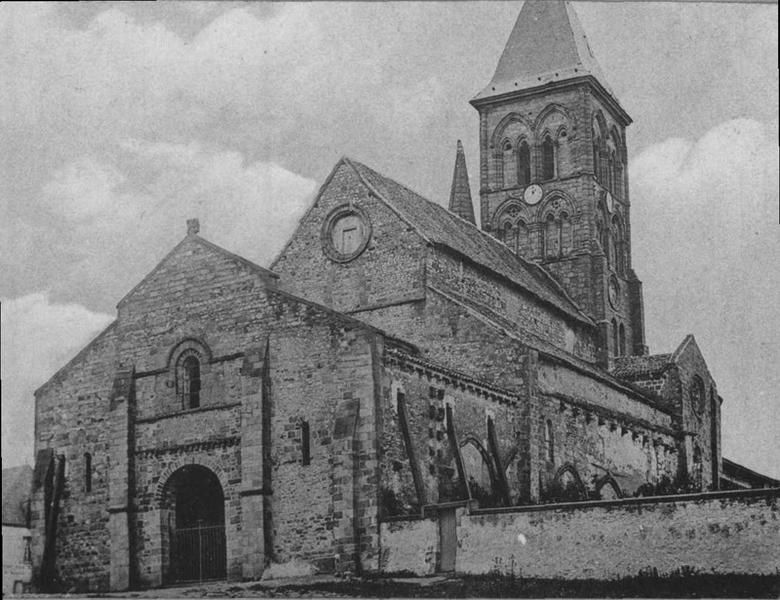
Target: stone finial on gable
[193, 226]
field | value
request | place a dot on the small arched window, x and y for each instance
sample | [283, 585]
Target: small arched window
[305, 443]
[612, 248]
[523, 164]
[565, 233]
[697, 395]
[548, 158]
[552, 238]
[507, 234]
[622, 339]
[189, 381]
[522, 238]
[549, 442]
[615, 341]
[87, 472]
[596, 162]
[508, 165]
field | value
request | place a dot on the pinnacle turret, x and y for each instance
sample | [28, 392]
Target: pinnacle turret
[460, 193]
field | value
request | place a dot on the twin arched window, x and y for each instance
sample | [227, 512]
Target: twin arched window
[515, 236]
[515, 162]
[188, 379]
[618, 339]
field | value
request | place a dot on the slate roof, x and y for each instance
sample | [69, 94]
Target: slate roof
[633, 367]
[17, 485]
[440, 227]
[547, 44]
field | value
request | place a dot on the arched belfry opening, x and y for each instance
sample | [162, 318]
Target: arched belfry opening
[193, 526]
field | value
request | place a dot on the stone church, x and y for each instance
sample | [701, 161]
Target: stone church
[395, 358]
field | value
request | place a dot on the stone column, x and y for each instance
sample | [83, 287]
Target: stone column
[120, 480]
[253, 488]
[527, 441]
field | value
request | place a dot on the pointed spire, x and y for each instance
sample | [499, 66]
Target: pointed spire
[546, 45]
[460, 193]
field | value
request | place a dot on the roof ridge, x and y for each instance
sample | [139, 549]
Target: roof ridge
[535, 270]
[553, 351]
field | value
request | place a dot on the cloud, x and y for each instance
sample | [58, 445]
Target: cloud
[711, 204]
[38, 337]
[82, 188]
[119, 76]
[121, 214]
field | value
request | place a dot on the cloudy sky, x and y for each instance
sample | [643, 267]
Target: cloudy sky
[119, 121]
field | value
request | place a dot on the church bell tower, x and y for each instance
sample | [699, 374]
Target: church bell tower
[553, 169]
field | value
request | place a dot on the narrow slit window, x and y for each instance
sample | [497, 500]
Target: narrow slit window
[524, 164]
[191, 382]
[305, 443]
[508, 165]
[622, 340]
[548, 159]
[615, 342]
[549, 442]
[87, 472]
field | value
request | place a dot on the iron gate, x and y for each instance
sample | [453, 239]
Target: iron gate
[198, 553]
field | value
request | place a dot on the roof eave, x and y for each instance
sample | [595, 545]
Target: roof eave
[480, 101]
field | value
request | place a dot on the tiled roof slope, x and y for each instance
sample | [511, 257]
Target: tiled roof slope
[547, 44]
[440, 226]
[17, 482]
[632, 367]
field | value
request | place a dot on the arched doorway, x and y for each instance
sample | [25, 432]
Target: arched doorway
[193, 513]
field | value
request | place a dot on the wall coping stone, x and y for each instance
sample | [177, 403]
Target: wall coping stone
[642, 500]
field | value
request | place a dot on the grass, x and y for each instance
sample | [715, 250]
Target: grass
[501, 586]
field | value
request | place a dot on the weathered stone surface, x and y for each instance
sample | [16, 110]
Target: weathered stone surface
[722, 534]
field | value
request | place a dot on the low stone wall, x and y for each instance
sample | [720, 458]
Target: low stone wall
[409, 545]
[721, 532]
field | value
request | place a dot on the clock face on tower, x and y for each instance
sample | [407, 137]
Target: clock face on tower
[532, 194]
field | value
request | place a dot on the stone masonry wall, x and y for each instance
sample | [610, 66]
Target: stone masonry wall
[427, 393]
[389, 270]
[598, 430]
[725, 533]
[514, 308]
[601, 447]
[321, 369]
[409, 545]
[71, 417]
